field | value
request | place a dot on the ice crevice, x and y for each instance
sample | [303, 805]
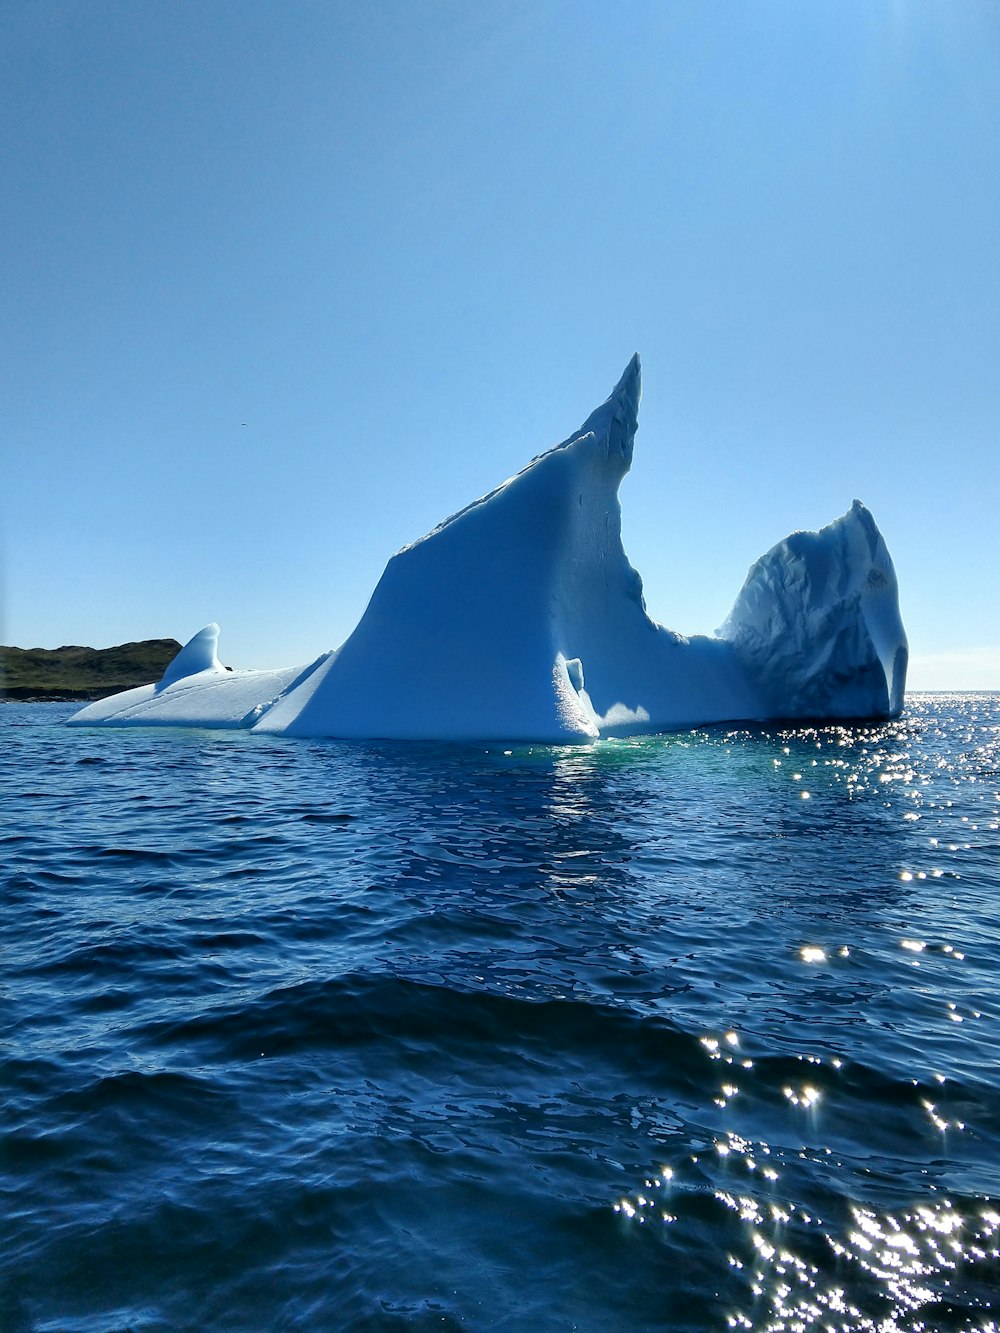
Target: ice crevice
[520, 618]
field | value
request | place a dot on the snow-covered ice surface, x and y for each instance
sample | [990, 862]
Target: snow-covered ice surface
[520, 618]
[212, 697]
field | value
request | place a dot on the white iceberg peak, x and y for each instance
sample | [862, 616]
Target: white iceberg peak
[198, 654]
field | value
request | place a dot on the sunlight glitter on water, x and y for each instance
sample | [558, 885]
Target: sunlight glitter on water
[868, 1271]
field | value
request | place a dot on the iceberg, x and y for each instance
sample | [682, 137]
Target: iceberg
[817, 623]
[520, 618]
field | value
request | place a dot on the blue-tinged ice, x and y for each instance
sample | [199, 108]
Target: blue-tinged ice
[817, 623]
[520, 618]
[198, 654]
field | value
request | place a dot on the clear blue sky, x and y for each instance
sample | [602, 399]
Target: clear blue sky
[410, 245]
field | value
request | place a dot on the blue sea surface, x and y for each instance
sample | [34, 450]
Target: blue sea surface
[688, 1032]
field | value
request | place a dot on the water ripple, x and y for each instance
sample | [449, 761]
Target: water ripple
[678, 1032]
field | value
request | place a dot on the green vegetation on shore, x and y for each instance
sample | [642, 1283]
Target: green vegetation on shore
[73, 672]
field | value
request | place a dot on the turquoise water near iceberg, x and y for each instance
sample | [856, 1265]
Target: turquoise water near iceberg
[685, 1032]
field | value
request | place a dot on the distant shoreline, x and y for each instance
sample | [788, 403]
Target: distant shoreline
[77, 674]
[16, 696]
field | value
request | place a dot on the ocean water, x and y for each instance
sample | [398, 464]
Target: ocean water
[689, 1032]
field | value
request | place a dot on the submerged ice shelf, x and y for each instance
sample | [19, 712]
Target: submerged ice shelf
[520, 618]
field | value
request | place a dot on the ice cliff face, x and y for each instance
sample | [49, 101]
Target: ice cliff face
[520, 618]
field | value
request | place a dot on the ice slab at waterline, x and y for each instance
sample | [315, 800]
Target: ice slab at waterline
[520, 618]
[197, 691]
